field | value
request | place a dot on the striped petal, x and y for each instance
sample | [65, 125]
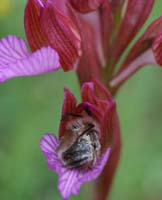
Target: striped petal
[48, 145]
[47, 25]
[62, 35]
[11, 50]
[16, 61]
[34, 32]
[70, 180]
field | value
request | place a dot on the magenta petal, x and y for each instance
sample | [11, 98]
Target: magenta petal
[70, 181]
[11, 50]
[16, 61]
[48, 145]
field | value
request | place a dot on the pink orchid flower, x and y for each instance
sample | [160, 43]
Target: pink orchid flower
[93, 36]
[87, 134]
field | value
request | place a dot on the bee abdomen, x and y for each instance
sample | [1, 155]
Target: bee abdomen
[79, 154]
[80, 162]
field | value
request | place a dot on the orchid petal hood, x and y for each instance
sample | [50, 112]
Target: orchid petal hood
[45, 25]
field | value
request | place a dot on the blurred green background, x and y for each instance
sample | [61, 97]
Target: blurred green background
[31, 106]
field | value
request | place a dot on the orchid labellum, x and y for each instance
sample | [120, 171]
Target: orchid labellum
[86, 138]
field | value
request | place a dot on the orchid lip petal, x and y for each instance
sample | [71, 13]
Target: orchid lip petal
[70, 180]
[48, 145]
[12, 49]
[16, 61]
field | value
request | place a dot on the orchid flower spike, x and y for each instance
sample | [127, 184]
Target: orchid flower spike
[85, 138]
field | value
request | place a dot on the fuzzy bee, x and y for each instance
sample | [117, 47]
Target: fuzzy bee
[80, 146]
